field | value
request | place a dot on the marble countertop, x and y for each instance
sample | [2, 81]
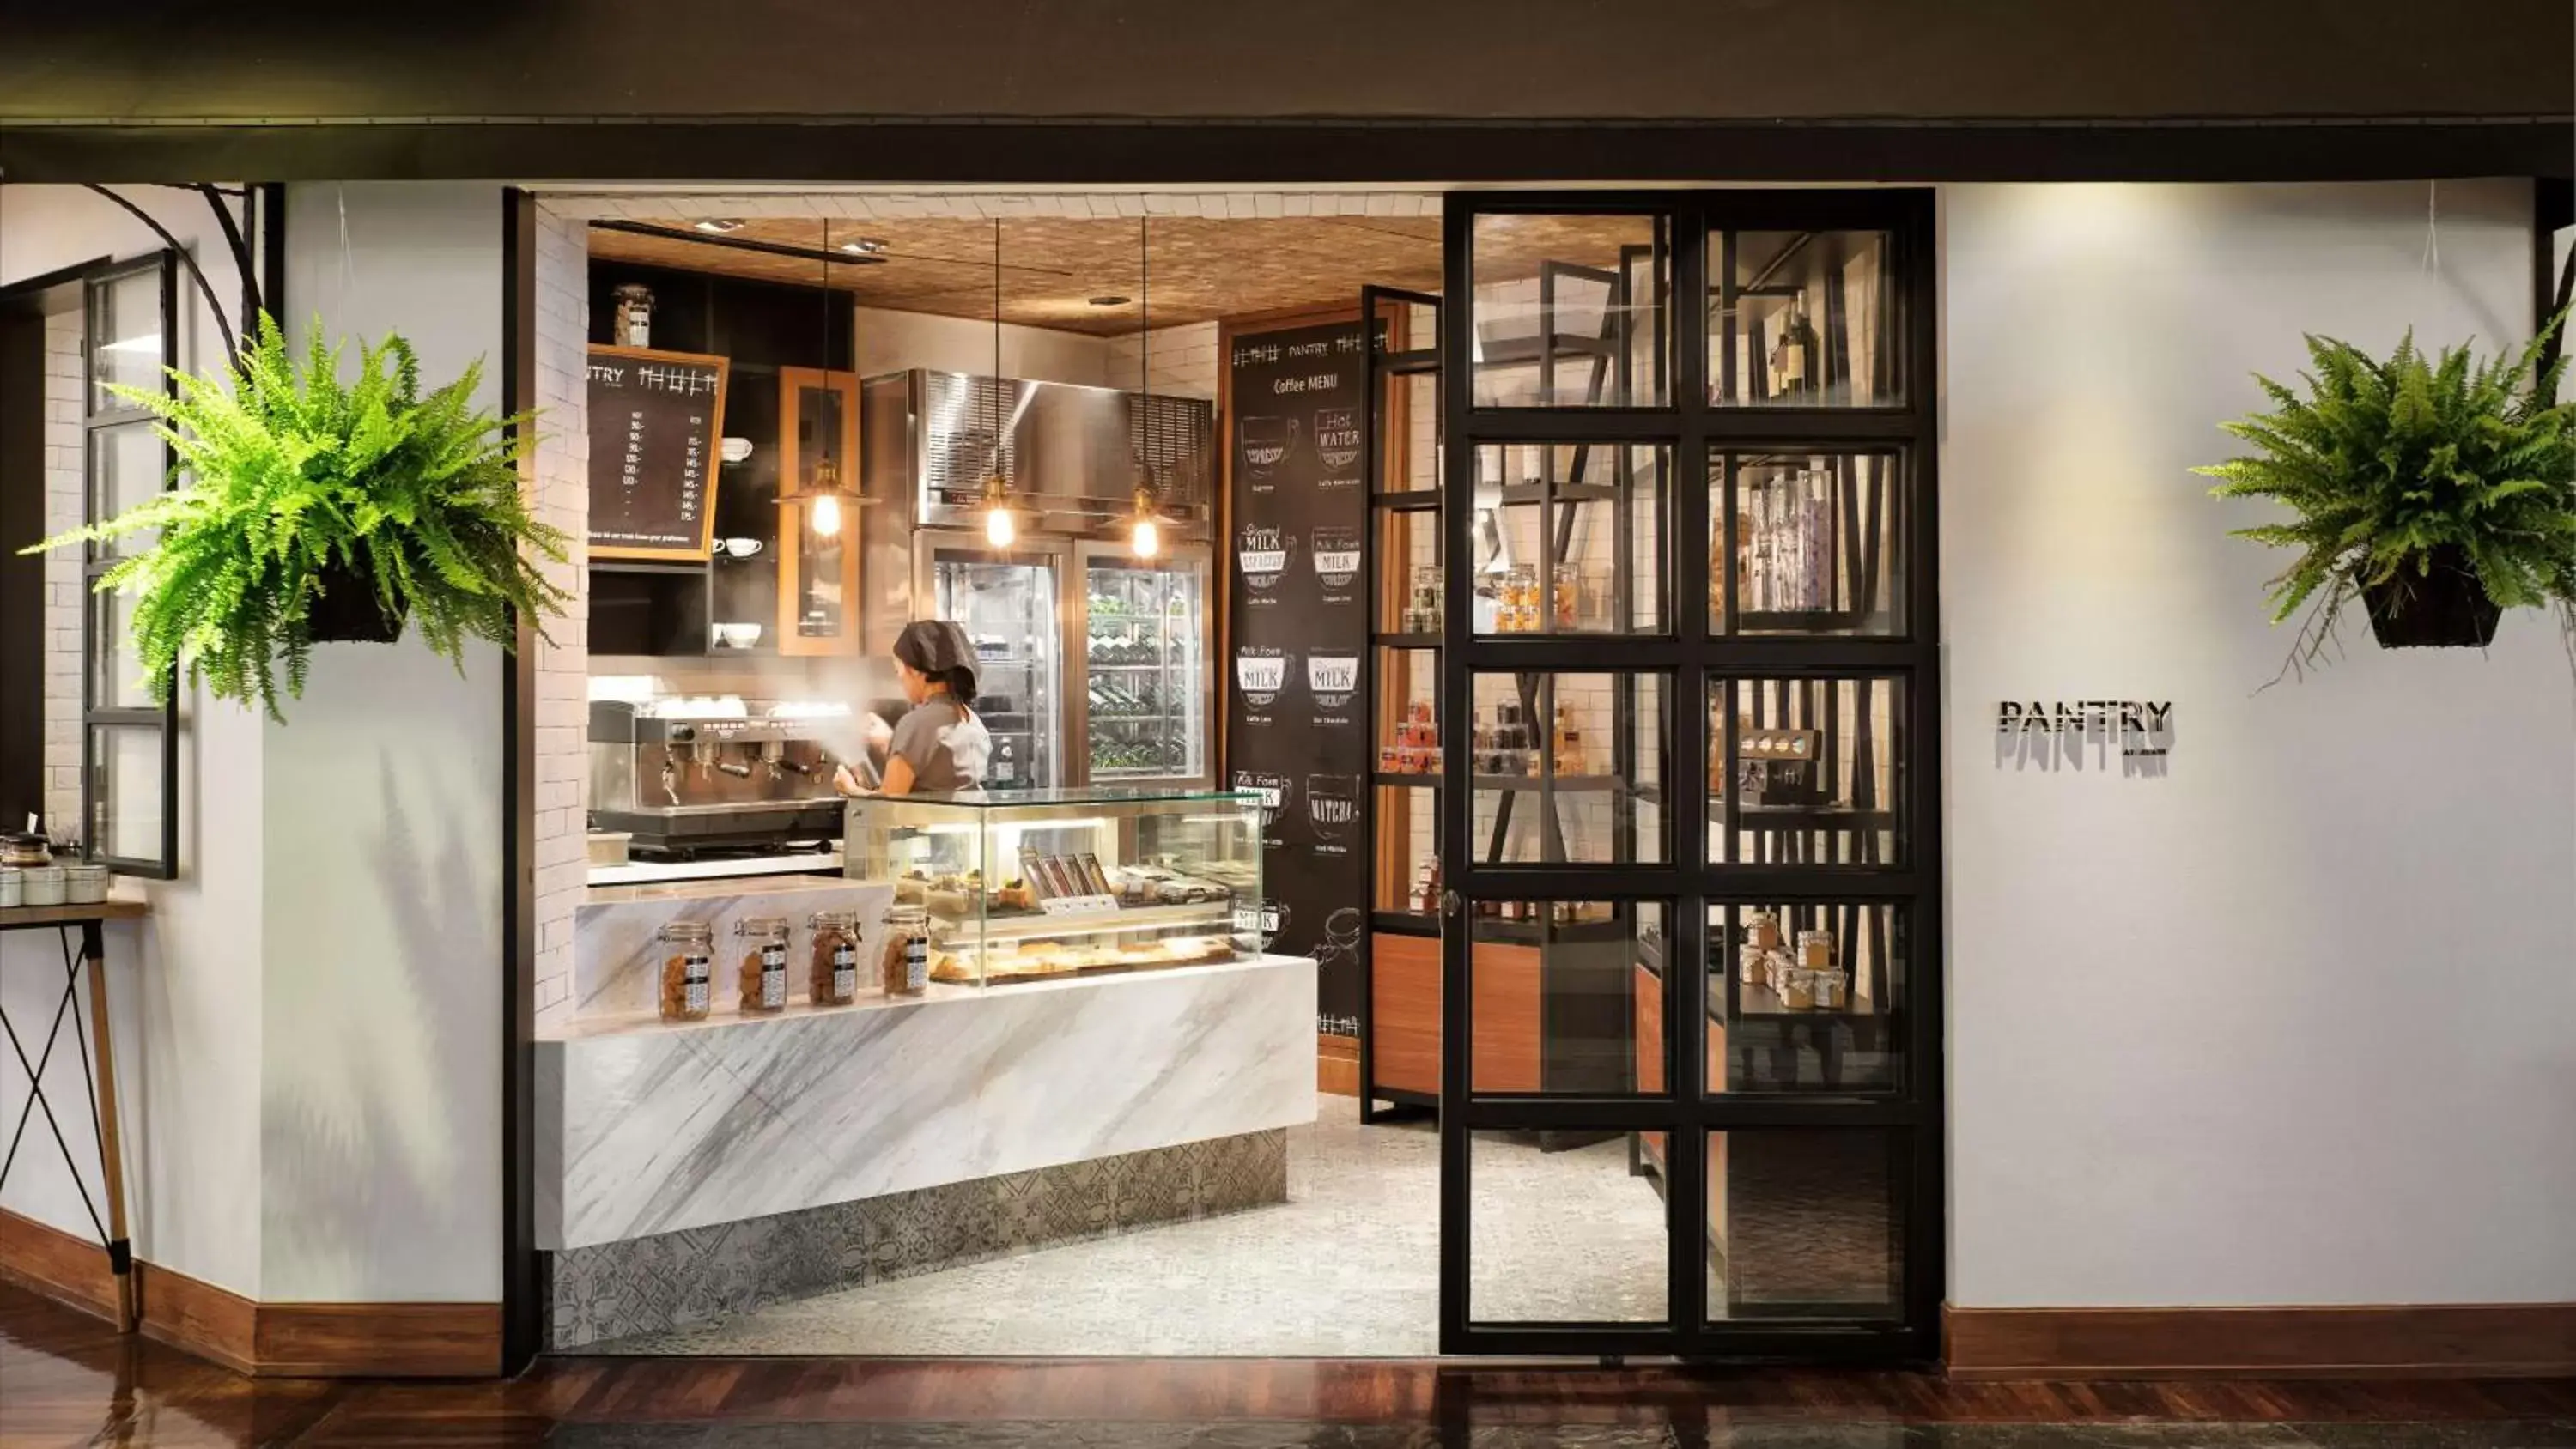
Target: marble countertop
[639, 871]
[651, 1023]
[717, 887]
[660, 1128]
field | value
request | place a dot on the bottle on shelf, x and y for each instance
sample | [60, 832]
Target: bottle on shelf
[1793, 356]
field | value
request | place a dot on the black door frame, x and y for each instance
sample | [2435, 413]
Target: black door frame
[1688, 656]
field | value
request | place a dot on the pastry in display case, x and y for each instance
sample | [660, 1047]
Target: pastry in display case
[1042, 884]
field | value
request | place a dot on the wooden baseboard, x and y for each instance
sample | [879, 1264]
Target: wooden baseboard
[268, 1340]
[47, 1260]
[1337, 1065]
[2477, 1340]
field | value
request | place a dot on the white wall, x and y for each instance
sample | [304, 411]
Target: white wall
[381, 1098]
[2296, 1023]
[184, 985]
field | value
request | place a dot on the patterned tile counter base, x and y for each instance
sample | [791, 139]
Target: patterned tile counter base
[672, 1280]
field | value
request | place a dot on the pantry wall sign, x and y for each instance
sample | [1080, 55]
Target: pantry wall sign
[2142, 728]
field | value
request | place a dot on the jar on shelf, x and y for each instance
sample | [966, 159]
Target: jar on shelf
[688, 969]
[1832, 989]
[833, 979]
[764, 963]
[903, 962]
[1569, 595]
[631, 315]
[85, 883]
[1423, 616]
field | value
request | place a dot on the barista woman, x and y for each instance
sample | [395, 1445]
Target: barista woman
[939, 744]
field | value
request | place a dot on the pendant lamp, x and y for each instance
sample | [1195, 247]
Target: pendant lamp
[1144, 527]
[822, 494]
[1001, 526]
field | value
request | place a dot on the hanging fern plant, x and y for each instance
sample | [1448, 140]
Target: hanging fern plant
[2439, 491]
[320, 510]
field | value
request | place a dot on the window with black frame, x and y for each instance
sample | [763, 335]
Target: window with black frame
[129, 744]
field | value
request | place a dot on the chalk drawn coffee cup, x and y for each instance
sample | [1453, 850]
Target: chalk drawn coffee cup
[736, 449]
[739, 547]
[1266, 442]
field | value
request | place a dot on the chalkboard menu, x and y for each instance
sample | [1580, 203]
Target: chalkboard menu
[1297, 717]
[656, 423]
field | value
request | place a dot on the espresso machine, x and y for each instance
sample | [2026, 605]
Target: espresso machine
[685, 776]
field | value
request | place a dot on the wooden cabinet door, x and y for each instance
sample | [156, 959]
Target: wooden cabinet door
[818, 566]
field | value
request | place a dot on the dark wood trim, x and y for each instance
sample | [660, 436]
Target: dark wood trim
[1337, 1064]
[378, 1340]
[62, 1266]
[2469, 1340]
[190, 1313]
[1231, 152]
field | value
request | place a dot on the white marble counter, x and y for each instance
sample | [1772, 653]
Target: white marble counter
[647, 1128]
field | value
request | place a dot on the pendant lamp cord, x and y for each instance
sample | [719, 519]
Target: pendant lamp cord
[1144, 355]
[993, 389]
[2432, 226]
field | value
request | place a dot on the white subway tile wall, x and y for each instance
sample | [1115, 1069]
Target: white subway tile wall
[1182, 361]
[563, 659]
[63, 490]
[891, 206]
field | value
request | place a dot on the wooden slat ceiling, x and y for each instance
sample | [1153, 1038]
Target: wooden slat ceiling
[1203, 269]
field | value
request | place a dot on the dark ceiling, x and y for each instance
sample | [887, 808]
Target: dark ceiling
[151, 87]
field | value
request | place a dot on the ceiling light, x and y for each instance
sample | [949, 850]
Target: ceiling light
[866, 246]
[1111, 301]
[718, 225]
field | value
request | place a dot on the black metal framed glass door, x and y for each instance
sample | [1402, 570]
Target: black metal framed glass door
[1688, 815]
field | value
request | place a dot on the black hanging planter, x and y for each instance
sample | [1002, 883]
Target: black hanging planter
[2443, 608]
[346, 612]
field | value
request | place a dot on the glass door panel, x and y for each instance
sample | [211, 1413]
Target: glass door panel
[1689, 1041]
[1805, 1223]
[1007, 606]
[818, 556]
[1145, 667]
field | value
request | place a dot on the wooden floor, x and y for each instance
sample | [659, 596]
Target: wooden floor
[66, 1380]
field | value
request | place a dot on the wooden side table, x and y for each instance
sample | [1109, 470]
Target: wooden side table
[99, 1076]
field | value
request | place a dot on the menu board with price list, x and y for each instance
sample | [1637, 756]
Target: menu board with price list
[656, 425]
[1297, 728]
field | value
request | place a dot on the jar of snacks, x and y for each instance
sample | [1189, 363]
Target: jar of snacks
[1569, 596]
[1764, 930]
[1833, 989]
[1797, 990]
[688, 969]
[1749, 964]
[833, 979]
[903, 962]
[764, 963]
[1423, 616]
[1816, 950]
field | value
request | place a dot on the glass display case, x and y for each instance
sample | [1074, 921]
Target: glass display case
[1145, 683]
[1049, 884]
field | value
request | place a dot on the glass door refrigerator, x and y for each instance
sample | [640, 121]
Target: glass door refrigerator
[1147, 688]
[1011, 607]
